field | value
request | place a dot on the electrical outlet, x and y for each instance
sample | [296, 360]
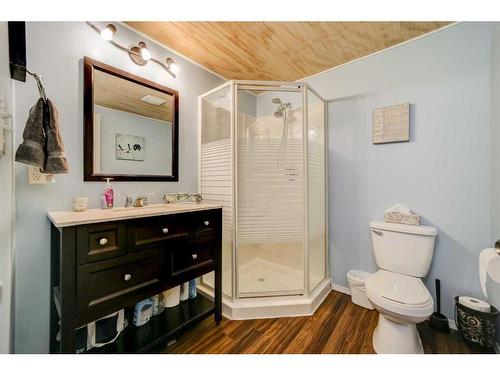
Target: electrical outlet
[35, 177]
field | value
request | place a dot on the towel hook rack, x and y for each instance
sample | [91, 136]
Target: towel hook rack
[38, 79]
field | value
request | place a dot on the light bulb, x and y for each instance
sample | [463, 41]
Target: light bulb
[172, 66]
[108, 32]
[145, 54]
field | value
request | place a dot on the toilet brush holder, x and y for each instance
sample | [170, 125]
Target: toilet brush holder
[438, 321]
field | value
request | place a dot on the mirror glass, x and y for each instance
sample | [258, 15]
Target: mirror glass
[133, 128]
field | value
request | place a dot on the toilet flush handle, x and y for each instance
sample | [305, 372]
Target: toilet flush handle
[378, 232]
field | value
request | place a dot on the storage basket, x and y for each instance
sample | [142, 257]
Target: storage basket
[477, 328]
[396, 217]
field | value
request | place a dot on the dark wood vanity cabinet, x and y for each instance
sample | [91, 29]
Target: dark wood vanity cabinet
[100, 268]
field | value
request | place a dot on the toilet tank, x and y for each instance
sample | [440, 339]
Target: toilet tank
[401, 248]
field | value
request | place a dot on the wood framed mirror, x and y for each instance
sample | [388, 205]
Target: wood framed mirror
[131, 126]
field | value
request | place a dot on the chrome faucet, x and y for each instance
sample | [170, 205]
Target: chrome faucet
[176, 197]
[141, 201]
[138, 201]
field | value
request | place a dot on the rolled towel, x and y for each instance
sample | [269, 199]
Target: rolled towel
[55, 161]
[32, 150]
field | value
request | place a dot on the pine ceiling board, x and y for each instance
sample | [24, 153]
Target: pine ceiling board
[124, 95]
[284, 51]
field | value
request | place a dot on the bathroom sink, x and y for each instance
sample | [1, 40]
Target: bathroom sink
[149, 207]
[157, 206]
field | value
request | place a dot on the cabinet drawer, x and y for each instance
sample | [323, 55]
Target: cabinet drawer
[107, 286]
[204, 224]
[199, 255]
[100, 241]
[149, 232]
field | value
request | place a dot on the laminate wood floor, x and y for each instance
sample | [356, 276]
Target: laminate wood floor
[337, 327]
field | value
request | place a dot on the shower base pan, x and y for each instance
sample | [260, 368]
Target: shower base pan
[271, 307]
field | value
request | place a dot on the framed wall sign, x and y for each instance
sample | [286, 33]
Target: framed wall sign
[129, 147]
[391, 124]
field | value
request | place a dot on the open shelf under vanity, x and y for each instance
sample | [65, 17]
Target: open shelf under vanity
[160, 329]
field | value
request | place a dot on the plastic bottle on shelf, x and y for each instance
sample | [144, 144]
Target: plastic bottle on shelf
[143, 311]
[192, 289]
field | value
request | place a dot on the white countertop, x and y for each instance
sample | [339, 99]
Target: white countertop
[97, 215]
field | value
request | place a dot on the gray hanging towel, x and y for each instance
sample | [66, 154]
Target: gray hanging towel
[55, 159]
[32, 150]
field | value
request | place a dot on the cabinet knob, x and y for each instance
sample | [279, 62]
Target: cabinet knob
[164, 230]
[195, 256]
[206, 222]
[103, 241]
[127, 277]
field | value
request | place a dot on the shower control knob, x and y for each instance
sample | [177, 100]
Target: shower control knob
[195, 256]
[127, 277]
[207, 223]
[165, 230]
[103, 241]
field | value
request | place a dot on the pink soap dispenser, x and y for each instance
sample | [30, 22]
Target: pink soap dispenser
[108, 195]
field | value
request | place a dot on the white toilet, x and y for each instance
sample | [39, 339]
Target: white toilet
[404, 254]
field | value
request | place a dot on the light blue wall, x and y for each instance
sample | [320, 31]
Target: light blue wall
[157, 142]
[443, 173]
[56, 50]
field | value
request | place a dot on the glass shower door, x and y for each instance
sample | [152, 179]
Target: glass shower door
[216, 155]
[316, 175]
[269, 194]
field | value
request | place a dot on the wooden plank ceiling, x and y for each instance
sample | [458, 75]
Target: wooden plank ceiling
[284, 51]
[123, 95]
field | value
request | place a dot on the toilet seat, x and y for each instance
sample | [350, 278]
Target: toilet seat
[400, 294]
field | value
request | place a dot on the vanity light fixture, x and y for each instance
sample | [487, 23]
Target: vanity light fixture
[139, 54]
[108, 32]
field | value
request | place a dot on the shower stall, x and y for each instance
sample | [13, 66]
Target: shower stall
[262, 157]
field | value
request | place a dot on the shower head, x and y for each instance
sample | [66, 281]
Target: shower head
[276, 101]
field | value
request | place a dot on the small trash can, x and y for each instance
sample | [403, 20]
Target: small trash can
[356, 280]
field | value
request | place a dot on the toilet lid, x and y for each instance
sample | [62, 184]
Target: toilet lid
[398, 288]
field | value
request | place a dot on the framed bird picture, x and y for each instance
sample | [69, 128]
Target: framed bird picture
[129, 147]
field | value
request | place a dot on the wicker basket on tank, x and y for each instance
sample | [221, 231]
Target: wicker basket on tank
[396, 217]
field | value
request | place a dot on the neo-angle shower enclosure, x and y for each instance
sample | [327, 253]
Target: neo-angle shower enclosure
[262, 156]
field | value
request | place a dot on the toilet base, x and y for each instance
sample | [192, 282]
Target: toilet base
[395, 338]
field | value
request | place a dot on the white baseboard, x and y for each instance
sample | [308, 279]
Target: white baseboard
[452, 324]
[341, 288]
